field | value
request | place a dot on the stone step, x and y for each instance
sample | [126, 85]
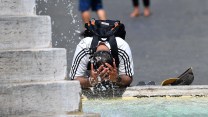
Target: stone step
[17, 7]
[33, 65]
[54, 97]
[25, 32]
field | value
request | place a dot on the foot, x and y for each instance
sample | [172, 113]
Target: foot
[146, 12]
[135, 13]
[141, 83]
[151, 83]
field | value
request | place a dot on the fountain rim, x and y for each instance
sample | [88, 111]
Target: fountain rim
[162, 91]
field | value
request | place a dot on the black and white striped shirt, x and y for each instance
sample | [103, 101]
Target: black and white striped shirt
[82, 54]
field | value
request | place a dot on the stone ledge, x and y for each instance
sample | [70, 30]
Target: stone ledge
[147, 91]
[25, 32]
[161, 91]
[21, 99]
[17, 7]
[47, 64]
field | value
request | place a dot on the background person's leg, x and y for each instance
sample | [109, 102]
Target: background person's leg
[97, 6]
[135, 12]
[84, 8]
[86, 16]
[101, 14]
[146, 7]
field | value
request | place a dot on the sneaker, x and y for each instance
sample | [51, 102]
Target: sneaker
[141, 83]
[185, 78]
[151, 83]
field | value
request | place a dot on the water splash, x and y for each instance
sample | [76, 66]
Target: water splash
[64, 20]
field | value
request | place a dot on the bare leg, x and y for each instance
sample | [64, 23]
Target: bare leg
[146, 7]
[85, 19]
[146, 11]
[135, 12]
[86, 16]
[101, 14]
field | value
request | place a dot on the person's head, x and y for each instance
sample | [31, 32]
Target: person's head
[103, 46]
[101, 57]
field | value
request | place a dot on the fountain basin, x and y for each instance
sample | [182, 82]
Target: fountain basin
[149, 101]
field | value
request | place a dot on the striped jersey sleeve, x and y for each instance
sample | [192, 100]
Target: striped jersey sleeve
[80, 59]
[125, 58]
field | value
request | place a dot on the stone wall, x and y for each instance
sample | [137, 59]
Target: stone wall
[32, 73]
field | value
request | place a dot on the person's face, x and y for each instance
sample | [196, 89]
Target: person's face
[102, 58]
[102, 47]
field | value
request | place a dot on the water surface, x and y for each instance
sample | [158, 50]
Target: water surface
[149, 107]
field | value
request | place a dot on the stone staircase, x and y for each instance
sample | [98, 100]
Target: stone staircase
[32, 73]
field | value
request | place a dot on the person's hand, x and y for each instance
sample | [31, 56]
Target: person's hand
[103, 73]
[93, 76]
[113, 73]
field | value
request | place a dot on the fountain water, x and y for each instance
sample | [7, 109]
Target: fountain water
[149, 101]
[149, 107]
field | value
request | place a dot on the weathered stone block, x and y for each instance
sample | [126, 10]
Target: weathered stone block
[59, 97]
[25, 32]
[17, 7]
[33, 65]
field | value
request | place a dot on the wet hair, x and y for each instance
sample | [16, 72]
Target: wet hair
[100, 58]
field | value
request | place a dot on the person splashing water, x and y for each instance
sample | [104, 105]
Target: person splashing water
[103, 57]
[99, 59]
